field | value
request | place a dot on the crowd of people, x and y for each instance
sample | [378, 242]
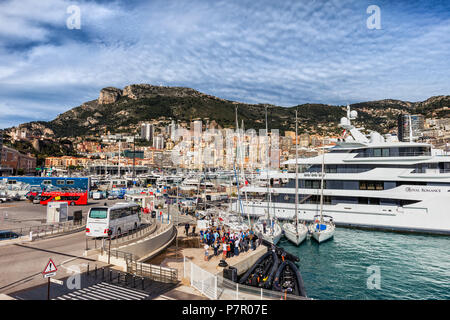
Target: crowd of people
[228, 243]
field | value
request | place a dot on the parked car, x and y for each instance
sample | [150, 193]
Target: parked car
[37, 199]
[112, 197]
[6, 235]
[16, 197]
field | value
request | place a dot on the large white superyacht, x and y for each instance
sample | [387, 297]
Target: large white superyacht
[369, 181]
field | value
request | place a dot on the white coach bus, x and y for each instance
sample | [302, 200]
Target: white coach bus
[114, 221]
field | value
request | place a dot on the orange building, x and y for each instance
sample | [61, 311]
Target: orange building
[14, 160]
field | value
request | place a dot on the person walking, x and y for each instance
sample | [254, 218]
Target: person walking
[186, 226]
[216, 248]
[224, 250]
[260, 238]
[206, 247]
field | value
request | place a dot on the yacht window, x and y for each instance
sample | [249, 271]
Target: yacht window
[362, 185]
[385, 152]
[379, 186]
[370, 186]
[377, 152]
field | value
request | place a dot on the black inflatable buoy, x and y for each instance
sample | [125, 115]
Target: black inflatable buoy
[223, 263]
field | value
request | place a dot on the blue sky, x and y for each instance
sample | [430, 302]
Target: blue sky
[279, 52]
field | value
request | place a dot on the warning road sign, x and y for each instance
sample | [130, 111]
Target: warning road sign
[50, 269]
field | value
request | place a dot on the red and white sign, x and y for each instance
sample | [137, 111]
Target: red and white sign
[50, 269]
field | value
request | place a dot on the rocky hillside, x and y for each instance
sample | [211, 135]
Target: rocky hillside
[118, 110]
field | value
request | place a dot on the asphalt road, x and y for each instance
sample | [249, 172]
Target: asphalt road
[21, 265]
[20, 214]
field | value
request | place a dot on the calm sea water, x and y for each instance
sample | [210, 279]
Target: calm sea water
[346, 267]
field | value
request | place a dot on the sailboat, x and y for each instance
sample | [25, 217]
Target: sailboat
[322, 227]
[268, 226]
[232, 220]
[295, 232]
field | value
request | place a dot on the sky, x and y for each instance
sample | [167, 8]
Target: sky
[57, 54]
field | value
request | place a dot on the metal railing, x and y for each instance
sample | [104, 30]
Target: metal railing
[134, 234]
[141, 269]
[109, 275]
[430, 170]
[154, 272]
[43, 230]
[216, 287]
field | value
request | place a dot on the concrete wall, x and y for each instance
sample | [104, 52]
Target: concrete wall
[146, 246]
[248, 262]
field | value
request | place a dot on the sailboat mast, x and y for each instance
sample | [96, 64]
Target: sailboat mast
[235, 171]
[296, 174]
[267, 168]
[243, 173]
[321, 183]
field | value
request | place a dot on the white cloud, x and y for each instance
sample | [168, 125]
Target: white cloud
[282, 53]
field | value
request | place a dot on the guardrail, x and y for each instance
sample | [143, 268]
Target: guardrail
[43, 230]
[141, 269]
[134, 234]
[216, 287]
[157, 273]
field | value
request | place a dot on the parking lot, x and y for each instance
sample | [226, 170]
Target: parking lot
[18, 214]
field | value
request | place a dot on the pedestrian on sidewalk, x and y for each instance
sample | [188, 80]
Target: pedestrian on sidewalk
[224, 250]
[186, 226]
[206, 247]
[216, 248]
[236, 247]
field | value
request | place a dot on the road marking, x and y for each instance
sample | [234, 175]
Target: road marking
[104, 291]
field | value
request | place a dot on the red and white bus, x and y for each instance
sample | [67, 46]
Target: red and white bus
[73, 198]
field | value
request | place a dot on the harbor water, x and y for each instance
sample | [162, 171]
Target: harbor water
[374, 265]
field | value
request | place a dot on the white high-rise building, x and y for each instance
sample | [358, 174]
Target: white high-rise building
[172, 130]
[147, 131]
[158, 142]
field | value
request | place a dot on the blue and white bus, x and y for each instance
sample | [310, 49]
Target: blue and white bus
[45, 183]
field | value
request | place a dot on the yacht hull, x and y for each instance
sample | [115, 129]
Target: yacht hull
[295, 238]
[428, 216]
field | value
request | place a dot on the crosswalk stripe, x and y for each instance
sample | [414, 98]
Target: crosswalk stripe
[104, 291]
[92, 293]
[89, 295]
[113, 294]
[122, 290]
[75, 297]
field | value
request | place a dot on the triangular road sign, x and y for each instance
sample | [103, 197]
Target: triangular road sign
[50, 268]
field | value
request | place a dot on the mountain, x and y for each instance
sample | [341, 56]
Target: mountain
[118, 110]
